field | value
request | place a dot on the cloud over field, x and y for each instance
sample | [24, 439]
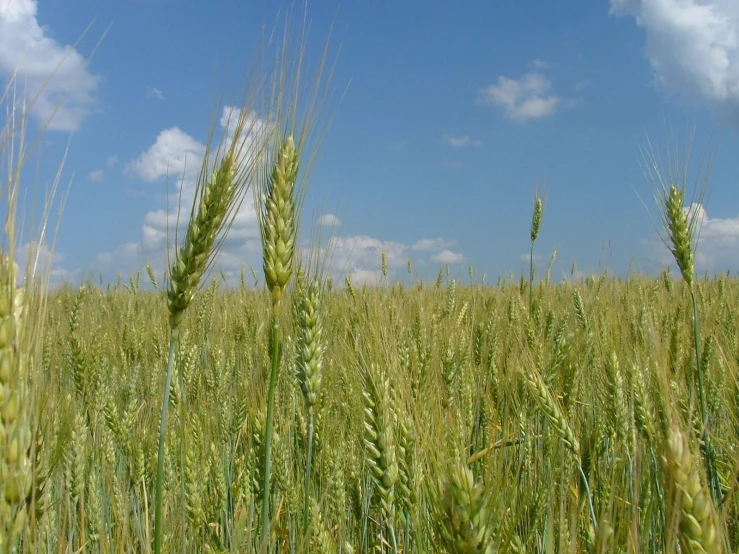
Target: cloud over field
[524, 99]
[28, 50]
[693, 48]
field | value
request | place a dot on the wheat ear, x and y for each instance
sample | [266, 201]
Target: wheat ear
[379, 441]
[309, 361]
[15, 430]
[698, 530]
[462, 517]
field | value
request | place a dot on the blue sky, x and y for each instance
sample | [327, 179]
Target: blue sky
[451, 115]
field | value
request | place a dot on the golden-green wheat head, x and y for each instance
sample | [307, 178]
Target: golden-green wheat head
[536, 218]
[680, 233]
[554, 413]
[379, 437]
[277, 220]
[15, 429]
[462, 518]
[194, 256]
[698, 532]
[310, 346]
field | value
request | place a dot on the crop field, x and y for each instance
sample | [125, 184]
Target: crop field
[311, 414]
[449, 415]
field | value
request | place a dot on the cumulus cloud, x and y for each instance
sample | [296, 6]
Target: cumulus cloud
[329, 220]
[174, 152]
[364, 252]
[41, 65]
[692, 46]
[360, 256]
[522, 99]
[718, 243]
[448, 257]
[461, 142]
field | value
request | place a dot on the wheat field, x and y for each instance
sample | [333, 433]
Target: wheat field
[479, 412]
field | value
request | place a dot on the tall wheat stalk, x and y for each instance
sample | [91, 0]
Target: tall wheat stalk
[216, 202]
[679, 231]
[278, 197]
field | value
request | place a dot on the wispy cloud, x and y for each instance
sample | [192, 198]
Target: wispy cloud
[155, 93]
[693, 47]
[329, 220]
[98, 175]
[41, 65]
[461, 142]
[433, 245]
[523, 99]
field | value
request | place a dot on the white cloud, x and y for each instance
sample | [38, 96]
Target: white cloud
[155, 93]
[527, 258]
[97, 175]
[718, 243]
[173, 153]
[41, 262]
[360, 256]
[447, 257]
[460, 142]
[329, 220]
[42, 65]
[363, 252]
[536, 63]
[125, 260]
[524, 99]
[693, 47]
[433, 245]
[365, 276]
